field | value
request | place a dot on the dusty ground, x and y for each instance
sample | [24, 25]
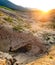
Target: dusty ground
[48, 59]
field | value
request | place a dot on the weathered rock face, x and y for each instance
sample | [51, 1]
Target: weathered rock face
[13, 40]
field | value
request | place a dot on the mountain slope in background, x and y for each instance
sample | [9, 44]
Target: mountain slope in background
[9, 4]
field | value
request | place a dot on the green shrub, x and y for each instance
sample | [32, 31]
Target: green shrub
[20, 19]
[18, 28]
[9, 19]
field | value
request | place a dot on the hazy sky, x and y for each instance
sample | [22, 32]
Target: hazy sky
[39, 4]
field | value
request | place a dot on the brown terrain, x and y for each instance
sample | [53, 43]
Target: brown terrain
[26, 37]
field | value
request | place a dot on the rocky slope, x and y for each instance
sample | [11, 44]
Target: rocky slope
[15, 35]
[23, 37]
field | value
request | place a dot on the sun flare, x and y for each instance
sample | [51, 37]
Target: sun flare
[45, 10]
[44, 5]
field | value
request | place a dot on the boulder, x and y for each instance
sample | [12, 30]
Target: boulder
[14, 40]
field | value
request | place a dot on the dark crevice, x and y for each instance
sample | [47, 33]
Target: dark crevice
[23, 49]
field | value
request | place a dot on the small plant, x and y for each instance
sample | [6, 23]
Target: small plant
[18, 28]
[9, 19]
[27, 25]
[20, 19]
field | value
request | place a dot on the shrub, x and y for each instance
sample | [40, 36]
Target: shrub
[9, 19]
[18, 28]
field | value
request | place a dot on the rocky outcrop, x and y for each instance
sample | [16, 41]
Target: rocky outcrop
[13, 40]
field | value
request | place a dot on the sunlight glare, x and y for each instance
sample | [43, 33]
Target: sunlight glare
[43, 5]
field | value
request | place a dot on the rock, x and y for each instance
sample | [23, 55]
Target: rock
[13, 40]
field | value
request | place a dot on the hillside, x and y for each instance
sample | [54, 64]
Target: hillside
[26, 35]
[9, 4]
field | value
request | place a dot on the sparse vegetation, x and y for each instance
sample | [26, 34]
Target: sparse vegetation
[8, 19]
[6, 8]
[18, 28]
[20, 19]
[11, 25]
[27, 25]
[52, 25]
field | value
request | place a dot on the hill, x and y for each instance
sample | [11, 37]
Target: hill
[24, 36]
[9, 4]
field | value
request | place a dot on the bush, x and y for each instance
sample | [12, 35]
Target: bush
[9, 19]
[18, 28]
[46, 36]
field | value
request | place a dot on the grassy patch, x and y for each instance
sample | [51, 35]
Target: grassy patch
[6, 8]
[18, 28]
[9, 19]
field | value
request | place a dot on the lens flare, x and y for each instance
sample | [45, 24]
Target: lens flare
[44, 5]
